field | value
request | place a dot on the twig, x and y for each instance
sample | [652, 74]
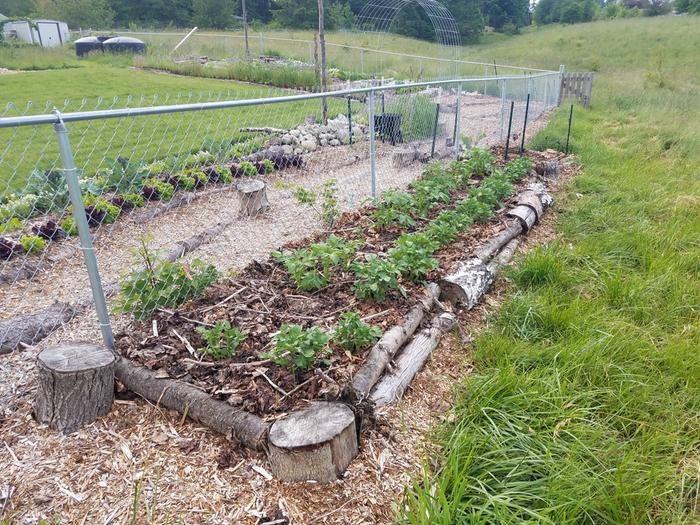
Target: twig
[172, 313]
[272, 384]
[224, 301]
[187, 344]
[378, 314]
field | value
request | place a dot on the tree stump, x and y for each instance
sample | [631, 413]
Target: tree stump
[548, 168]
[316, 443]
[252, 197]
[402, 157]
[76, 385]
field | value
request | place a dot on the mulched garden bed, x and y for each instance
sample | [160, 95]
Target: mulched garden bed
[263, 297]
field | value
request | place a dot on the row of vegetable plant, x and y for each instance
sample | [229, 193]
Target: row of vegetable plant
[120, 187]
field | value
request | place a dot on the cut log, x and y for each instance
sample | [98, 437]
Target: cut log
[467, 284]
[253, 197]
[316, 443]
[29, 329]
[411, 359]
[526, 215]
[384, 350]
[75, 385]
[199, 406]
[493, 245]
[473, 277]
[531, 200]
[402, 157]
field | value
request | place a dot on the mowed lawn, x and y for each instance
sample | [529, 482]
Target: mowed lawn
[96, 85]
[584, 405]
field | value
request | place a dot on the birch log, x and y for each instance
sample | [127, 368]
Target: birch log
[383, 352]
[411, 359]
[316, 443]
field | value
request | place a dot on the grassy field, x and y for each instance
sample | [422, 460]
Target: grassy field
[104, 83]
[584, 407]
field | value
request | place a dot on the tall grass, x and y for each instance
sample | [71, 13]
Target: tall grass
[585, 403]
[283, 76]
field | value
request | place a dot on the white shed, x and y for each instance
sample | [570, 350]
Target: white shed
[47, 33]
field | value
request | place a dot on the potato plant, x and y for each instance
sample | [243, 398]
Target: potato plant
[298, 348]
[221, 340]
[375, 278]
[353, 334]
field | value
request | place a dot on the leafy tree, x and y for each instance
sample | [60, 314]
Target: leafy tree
[77, 13]
[15, 8]
[303, 14]
[217, 14]
[152, 12]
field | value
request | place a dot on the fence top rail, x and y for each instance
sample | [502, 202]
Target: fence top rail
[57, 117]
[347, 46]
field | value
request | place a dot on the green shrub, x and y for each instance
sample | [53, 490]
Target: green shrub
[162, 284]
[353, 334]
[296, 348]
[222, 340]
[32, 243]
[163, 190]
[248, 168]
[111, 211]
[268, 165]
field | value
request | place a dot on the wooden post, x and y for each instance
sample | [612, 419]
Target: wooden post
[245, 30]
[75, 385]
[252, 197]
[316, 443]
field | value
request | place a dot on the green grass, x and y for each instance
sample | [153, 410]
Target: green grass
[584, 406]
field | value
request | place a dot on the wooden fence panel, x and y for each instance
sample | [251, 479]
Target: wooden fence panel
[578, 86]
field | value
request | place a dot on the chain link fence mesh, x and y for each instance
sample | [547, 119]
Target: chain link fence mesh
[171, 180]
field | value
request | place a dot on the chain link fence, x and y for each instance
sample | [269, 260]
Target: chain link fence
[86, 184]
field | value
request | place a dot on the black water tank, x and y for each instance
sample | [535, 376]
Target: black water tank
[86, 45]
[124, 44]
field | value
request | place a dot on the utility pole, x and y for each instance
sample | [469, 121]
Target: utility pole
[324, 80]
[245, 30]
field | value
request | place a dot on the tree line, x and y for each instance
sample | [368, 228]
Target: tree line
[472, 16]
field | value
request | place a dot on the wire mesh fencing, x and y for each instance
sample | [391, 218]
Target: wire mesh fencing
[176, 184]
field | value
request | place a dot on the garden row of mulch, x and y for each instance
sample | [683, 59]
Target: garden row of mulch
[262, 298]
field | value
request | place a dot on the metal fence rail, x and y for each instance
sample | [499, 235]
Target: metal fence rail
[98, 181]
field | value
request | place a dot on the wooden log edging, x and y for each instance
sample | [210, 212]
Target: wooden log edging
[234, 423]
[384, 350]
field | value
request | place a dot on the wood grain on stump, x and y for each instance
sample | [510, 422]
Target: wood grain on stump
[316, 443]
[252, 197]
[75, 387]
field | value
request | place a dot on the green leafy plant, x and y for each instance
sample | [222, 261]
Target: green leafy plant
[296, 348]
[222, 340]
[154, 188]
[353, 334]
[268, 165]
[413, 255]
[324, 202]
[480, 162]
[32, 243]
[395, 207]
[111, 211]
[134, 200]
[162, 284]
[68, 225]
[375, 278]
[11, 225]
[311, 267]
[248, 168]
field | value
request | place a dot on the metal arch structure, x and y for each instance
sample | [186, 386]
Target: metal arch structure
[377, 16]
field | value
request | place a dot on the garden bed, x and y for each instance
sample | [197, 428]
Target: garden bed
[264, 297]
